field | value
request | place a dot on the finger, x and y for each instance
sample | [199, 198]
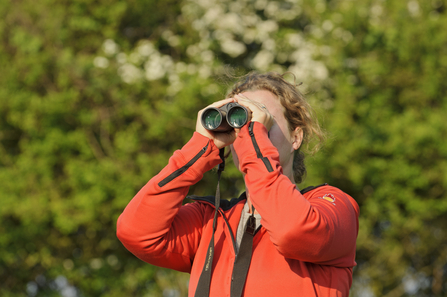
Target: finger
[243, 99]
[258, 110]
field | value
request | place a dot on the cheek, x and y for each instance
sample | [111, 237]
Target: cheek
[234, 156]
[277, 137]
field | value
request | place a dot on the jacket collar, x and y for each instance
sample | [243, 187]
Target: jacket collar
[224, 204]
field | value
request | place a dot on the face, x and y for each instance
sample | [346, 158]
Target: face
[285, 141]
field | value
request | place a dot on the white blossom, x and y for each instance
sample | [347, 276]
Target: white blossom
[101, 62]
[129, 73]
[232, 47]
[232, 26]
[263, 60]
[157, 66]
[145, 48]
[413, 8]
[327, 25]
[110, 47]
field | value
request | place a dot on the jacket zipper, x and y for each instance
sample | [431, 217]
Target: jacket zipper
[258, 151]
[182, 169]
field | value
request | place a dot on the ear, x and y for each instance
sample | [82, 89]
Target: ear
[297, 138]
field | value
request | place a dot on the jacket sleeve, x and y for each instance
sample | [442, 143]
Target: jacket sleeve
[321, 229]
[155, 226]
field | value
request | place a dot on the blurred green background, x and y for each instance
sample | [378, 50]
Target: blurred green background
[96, 95]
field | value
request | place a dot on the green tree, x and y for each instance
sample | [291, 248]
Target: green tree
[75, 144]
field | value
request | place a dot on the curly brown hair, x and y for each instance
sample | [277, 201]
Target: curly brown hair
[298, 112]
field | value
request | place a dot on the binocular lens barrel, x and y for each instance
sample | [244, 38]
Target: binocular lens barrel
[211, 118]
[225, 118]
[237, 117]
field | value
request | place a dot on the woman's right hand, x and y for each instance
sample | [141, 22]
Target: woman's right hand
[220, 139]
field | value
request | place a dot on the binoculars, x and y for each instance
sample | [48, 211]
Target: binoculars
[226, 118]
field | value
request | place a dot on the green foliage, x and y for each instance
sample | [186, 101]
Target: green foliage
[76, 143]
[96, 95]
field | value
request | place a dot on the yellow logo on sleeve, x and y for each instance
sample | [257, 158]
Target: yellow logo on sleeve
[328, 197]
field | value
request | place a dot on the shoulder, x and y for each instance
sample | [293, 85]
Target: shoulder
[329, 194]
[323, 188]
[312, 188]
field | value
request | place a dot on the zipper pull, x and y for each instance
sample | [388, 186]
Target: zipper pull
[250, 129]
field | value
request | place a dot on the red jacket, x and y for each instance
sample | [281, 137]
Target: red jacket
[305, 247]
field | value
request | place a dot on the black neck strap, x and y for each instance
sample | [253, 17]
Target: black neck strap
[203, 286]
[243, 258]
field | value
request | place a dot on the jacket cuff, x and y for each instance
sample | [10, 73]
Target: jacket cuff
[209, 159]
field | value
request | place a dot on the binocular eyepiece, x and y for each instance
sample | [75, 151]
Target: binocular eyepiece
[226, 118]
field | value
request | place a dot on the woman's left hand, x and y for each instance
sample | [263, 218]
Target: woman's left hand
[259, 111]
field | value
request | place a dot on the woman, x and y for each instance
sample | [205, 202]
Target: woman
[303, 243]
